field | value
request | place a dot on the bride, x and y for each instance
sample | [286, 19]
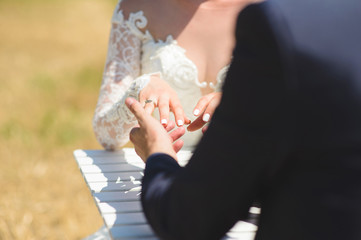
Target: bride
[171, 55]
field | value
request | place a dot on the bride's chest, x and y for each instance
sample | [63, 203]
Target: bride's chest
[171, 60]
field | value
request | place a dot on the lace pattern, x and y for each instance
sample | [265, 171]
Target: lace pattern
[112, 120]
[133, 56]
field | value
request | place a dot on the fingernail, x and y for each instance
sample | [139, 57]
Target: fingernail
[206, 117]
[163, 121]
[180, 122]
[196, 112]
[129, 101]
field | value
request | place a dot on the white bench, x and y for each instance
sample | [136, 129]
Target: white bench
[114, 179]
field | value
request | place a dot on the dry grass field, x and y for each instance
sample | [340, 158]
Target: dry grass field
[52, 54]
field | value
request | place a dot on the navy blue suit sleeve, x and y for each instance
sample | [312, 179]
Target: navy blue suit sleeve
[225, 175]
[159, 173]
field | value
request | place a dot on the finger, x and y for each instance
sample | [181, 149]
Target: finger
[163, 106]
[178, 112]
[204, 129]
[208, 113]
[170, 126]
[196, 124]
[136, 108]
[177, 133]
[202, 104]
[178, 145]
[187, 120]
[149, 107]
[133, 134]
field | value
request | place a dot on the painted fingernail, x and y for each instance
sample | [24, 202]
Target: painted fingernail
[196, 112]
[163, 121]
[206, 117]
[180, 123]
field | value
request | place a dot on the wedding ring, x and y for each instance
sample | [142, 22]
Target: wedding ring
[150, 101]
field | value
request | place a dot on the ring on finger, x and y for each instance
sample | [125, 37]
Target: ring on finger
[150, 101]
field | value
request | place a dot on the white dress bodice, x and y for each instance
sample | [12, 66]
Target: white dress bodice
[133, 56]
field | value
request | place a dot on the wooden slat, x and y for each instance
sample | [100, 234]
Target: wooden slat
[243, 227]
[127, 153]
[86, 157]
[114, 179]
[241, 235]
[102, 153]
[119, 207]
[117, 196]
[113, 219]
[114, 186]
[106, 160]
[135, 232]
[109, 168]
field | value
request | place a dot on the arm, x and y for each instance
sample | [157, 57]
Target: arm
[112, 121]
[231, 164]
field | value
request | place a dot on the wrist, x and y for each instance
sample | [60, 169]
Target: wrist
[164, 150]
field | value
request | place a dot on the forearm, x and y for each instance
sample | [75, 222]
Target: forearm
[112, 120]
[158, 177]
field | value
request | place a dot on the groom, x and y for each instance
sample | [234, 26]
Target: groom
[287, 133]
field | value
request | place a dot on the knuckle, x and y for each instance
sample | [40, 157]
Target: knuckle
[203, 101]
[133, 131]
[163, 105]
[179, 113]
[176, 107]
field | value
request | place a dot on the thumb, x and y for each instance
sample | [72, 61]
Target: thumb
[136, 108]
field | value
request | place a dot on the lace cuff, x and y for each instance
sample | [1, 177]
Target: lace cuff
[119, 110]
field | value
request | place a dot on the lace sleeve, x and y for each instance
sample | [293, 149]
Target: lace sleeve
[112, 120]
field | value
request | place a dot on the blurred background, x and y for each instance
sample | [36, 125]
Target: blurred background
[52, 54]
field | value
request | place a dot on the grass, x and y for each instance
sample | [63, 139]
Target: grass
[52, 54]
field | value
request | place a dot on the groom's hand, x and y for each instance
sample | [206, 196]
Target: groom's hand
[151, 137]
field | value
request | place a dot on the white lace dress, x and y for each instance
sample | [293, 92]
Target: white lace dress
[133, 56]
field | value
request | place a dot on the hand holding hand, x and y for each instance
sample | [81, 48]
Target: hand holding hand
[163, 97]
[151, 137]
[205, 109]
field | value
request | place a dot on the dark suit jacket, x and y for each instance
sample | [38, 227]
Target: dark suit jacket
[287, 133]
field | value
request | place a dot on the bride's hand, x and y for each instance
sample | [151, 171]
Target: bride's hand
[163, 97]
[205, 109]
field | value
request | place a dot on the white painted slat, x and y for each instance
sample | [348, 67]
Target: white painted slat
[255, 210]
[111, 177]
[112, 219]
[243, 227]
[137, 232]
[119, 207]
[184, 157]
[114, 186]
[129, 152]
[117, 196]
[116, 160]
[240, 235]
[115, 178]
[102, 153]
[127, 167]
[86, 157]
[106, 160]
[136, 238]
